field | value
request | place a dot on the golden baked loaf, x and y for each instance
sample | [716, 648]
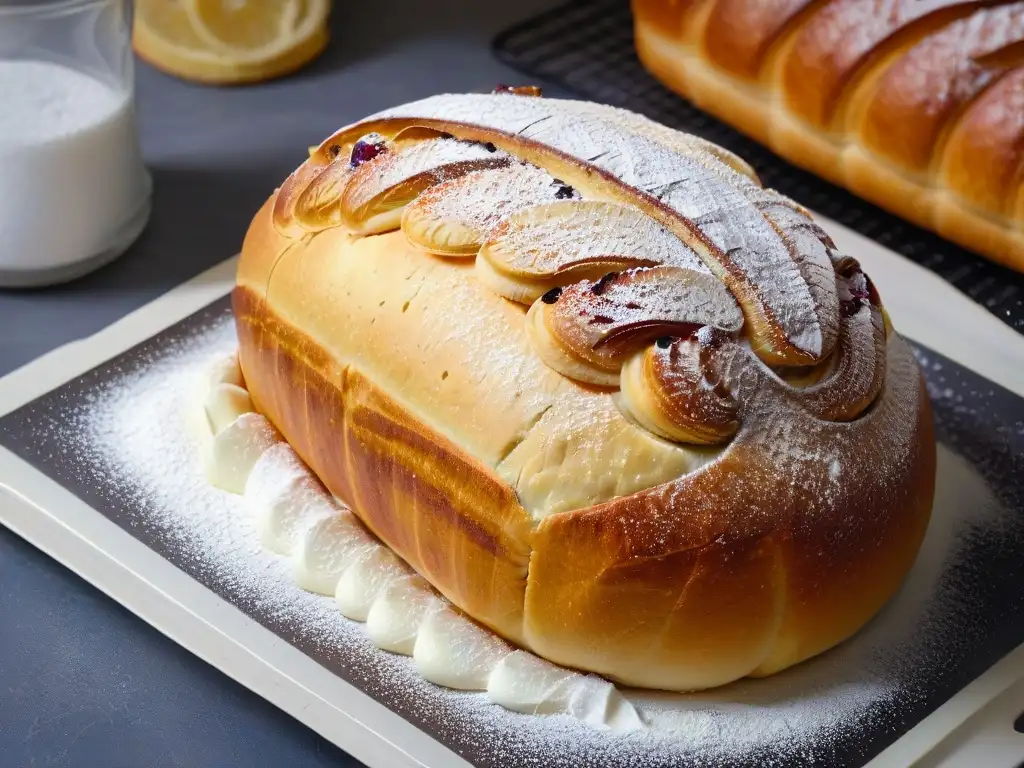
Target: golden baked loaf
[611, 397]
[916, 105]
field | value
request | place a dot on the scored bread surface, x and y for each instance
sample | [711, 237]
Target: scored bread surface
[622, 405]
[916, 105]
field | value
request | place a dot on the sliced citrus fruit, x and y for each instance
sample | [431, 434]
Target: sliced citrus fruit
[169, 24]
[183, 38]
[247, 26]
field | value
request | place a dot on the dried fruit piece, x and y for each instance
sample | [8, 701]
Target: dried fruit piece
[855, 288]
[551, 296]
[563, 191]
[366, 148]
[519, 90]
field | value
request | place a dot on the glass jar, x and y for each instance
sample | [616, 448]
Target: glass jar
[74, 193]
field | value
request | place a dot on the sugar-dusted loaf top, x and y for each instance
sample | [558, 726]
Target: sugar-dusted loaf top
[648, 257]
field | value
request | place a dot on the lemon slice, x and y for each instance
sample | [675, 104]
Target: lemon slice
[230, 41]
[247, 26]
[169, 24]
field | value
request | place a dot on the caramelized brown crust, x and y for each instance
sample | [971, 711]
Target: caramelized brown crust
[914, 100]
[902, 101]
[667, 390]
[984, 157]
[825, 59]
[782, 570]
[744, 32]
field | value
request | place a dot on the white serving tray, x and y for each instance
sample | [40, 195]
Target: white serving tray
[975, 727]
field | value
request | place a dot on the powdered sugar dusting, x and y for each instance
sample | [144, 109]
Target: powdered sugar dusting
[658, 301]
[994, 124]
[480, 199]
[809, 246]
[545, 239]
[713, 201]
[846, 30]
[406, 161]
[1005, 106]
[714, 157]
[124, 441]
[942, 73]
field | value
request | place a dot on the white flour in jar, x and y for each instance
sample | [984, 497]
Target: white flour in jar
[71, 169]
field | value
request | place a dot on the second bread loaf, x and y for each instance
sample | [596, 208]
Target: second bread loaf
[916, 105]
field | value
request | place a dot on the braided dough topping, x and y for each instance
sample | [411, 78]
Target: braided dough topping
[653, 261]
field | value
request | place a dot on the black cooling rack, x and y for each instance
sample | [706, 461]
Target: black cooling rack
[586, 46]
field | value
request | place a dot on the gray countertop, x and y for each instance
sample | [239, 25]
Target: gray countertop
[82, 681]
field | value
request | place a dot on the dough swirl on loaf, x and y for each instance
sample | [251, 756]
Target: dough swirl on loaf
[645, 233]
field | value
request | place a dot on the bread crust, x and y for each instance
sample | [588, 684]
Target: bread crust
[436, 507]
[742, 566]
[707, 579]
[890, 105]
